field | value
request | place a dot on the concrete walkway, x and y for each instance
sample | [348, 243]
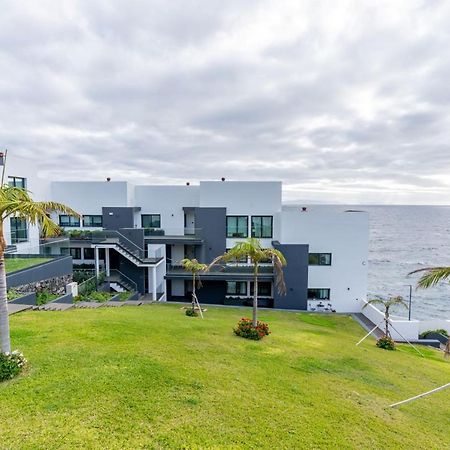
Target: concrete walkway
[14, 308]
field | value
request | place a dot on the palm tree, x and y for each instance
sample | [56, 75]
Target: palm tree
[251, 248]
[431, 276]
[387, 304]
[193, 266]
[16, 202]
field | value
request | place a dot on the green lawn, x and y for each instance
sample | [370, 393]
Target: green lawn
[13, 264]
[149, 377]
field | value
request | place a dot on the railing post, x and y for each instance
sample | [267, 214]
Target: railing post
[107, 262]
[154, 294]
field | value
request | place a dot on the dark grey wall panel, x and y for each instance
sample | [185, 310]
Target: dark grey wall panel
[212, 292]
[135, 235]
[26, 299]
[212, 224]
[115, 218]
[54, 268]
[295, 276]
[137, 274]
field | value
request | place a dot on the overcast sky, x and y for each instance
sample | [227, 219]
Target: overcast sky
[344, 101]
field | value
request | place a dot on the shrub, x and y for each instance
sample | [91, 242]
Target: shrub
[44, 297]
[246, 329]
[425, 334]
[11, 364]
[13, 294]
[386, 343]
[191, 312]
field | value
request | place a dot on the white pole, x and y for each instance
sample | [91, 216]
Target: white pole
[420, 395]
[417, 350]
[97, 263]
[154, 297]
[370, 332]
[107, 262]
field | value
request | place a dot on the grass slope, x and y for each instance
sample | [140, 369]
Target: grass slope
[13, 264]
[150, 377]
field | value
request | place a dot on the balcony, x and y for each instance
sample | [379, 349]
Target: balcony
[223, 272]
[173, 235]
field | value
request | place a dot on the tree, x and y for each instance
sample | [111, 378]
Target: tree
[387, 304]
[251, 248]
[431, 276]
[16, 202]
[193, 266]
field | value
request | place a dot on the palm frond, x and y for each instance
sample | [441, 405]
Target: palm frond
[431, 276]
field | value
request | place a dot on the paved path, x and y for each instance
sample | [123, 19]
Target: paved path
[14, 308]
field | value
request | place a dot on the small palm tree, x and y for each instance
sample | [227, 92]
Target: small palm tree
[431, 276]
[387, 304]
[16, 202]
[193, 266]
[251, 248]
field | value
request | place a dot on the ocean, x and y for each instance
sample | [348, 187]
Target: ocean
[403, 239]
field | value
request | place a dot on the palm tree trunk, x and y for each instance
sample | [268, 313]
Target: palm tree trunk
[193, 290]
[255, 296]
[4, 320]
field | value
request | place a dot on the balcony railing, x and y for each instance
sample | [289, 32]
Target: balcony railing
[228, 269]
[181, 233]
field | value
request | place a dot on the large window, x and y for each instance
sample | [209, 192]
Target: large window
[19, 230]
[151, 220]
[320, 259]
[262, 226]
[237, 226]
[89, 253]
[236, 288]
[264, 288]
[318, 294]
[17, 182]
[74, 252]
[92, 221]
[68, 221]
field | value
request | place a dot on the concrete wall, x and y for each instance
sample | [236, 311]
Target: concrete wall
[346, 236]
[168, 201]
[295, 277]
[115, 218]
[212, 222]
[54, 268]
[89, 197]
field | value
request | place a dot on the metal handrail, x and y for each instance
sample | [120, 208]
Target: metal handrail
[116, 234]
[121, 275]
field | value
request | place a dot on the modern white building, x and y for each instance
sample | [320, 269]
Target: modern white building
[138, 234]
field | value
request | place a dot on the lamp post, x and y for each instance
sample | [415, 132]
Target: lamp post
[410, 299]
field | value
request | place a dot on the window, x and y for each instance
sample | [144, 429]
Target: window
[242, 260]
[236, 288]
[92, 221]
[17, 182]
[264, 288]
[320, 259]
[237, 226]
[318, 294]
[151, 220]
[89, 253]
[74, 252]
[68, 221]
[19, 230]
[262, 226]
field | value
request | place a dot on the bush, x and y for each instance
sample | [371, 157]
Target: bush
[425, 334]
[13, 294]
[386, 343]
[11, 364]
[191, 312]
[44, 297]
[246, 329]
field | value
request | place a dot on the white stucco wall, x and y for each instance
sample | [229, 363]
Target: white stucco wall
[88, 197]
[168, 201]
[346, 237]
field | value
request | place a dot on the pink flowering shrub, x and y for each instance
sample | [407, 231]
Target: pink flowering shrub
[246, 329]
